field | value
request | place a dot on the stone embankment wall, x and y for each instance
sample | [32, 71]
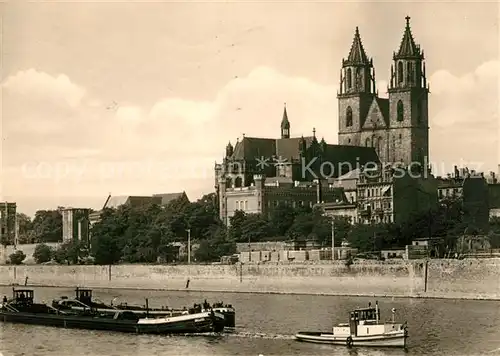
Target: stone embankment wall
[470, 279]
[28, 249]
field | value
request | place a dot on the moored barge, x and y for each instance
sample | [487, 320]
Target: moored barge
[22, 309]
[84, 300]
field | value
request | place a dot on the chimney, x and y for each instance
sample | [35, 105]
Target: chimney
[457, 173]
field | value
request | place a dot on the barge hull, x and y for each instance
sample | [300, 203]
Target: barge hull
[156, 326]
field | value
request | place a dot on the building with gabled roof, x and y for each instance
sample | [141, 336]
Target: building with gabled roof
[372, 130]
[113, 202]
[397, 126]
[286, 169]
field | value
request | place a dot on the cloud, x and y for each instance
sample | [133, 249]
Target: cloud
[33, 83]
[170, 145]
[253, 105]
[465, 109]
[470, 99]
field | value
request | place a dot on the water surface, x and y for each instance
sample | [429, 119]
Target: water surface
[266, 324]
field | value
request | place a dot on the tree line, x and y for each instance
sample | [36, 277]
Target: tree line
[147, 234]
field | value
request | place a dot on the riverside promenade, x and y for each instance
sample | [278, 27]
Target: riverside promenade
[435, 278]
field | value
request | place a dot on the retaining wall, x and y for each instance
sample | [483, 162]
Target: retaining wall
[470, 278]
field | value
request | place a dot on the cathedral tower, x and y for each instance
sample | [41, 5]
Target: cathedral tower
[357, 90]
[408, 103]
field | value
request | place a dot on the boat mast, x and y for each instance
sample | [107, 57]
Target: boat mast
[147, 308]
[377, 311]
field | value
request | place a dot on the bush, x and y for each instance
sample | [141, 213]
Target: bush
[43, 253]
[17, 258]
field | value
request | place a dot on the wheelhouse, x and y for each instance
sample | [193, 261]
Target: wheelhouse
[365, 315]
[84, 295]
[25, 296]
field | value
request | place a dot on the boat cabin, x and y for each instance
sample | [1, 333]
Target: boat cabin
[23, 296]
[362, 321]
[84, 295]
[365, 316]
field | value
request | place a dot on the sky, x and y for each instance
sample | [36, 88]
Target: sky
[136, 98]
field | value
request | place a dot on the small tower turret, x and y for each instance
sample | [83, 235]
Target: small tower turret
[229, 149]
[285, 125]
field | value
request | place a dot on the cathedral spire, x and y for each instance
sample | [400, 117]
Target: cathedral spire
[285, 125]
[356, 75]
[357, 54]
[408, 49]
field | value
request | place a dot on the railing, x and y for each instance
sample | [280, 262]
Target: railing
[11, 308]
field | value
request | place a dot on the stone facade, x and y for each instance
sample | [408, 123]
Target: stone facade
[265, 194]
[394, 195]
[479, 198]
[396, 127]
[8, 223]
[75, 224]
[258, 174]
[349, 210]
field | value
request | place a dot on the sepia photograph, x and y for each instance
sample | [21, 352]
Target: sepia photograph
[249, 177]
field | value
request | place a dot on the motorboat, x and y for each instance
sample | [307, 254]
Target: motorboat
[364, 329]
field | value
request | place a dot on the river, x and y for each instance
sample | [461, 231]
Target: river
[266, 324]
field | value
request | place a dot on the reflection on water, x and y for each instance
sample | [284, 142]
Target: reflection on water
[266, 325]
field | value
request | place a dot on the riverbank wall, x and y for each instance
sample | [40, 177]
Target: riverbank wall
[457, 279]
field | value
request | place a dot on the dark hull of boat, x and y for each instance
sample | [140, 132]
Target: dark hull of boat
[229, 313]
[191, 325]
[229, 317]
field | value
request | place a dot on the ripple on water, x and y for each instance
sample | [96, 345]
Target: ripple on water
[266, 325]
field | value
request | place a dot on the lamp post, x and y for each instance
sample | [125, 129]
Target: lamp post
[189, 245]
[333, 239]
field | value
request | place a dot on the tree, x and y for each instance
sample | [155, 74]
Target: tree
[236, 223]
[106, 246]
[17, 257]
[363, 237]
[254, 228]
[25, 224]
[302, 227]
[43, 253]
[282, 218]
[213, 249]
[71, 252]
[47, 226]
[202, 216]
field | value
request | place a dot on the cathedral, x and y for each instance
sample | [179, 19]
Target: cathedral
[397, 127]
[258, 174]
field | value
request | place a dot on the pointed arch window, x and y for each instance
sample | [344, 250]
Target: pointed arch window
[367, 142]
[400, 72]
[348, 117]
[238, 182]
[349, 78]
[357, 79]
[400, 111]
